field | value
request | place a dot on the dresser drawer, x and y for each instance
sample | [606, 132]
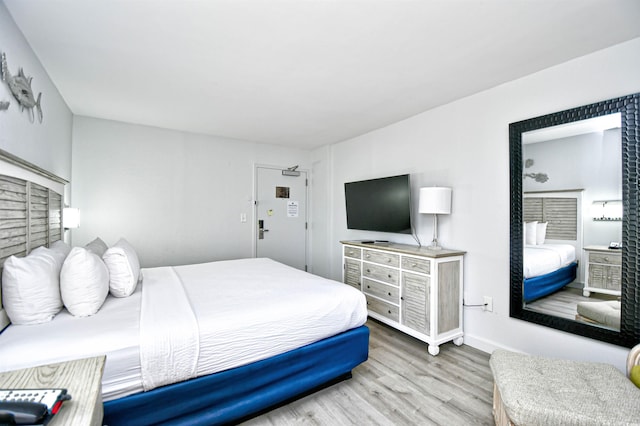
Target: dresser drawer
[382, 258]
[606, 258]
[383, 308]
[353, 252]
[380, 273]
[383, 291]
[416, 265]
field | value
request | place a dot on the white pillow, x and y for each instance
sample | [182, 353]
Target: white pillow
[124, 268]
[97, 246]
[84, 282]
[30, 288]
[530, 233]
[57, 256]
[541, 232]
[61, 247]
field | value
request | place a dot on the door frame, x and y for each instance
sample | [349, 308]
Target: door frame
[254, 214]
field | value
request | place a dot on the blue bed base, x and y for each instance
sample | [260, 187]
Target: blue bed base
[543, 285]
[235, 394]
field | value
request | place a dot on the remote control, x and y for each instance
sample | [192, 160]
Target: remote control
[51, 398]
[22, 413]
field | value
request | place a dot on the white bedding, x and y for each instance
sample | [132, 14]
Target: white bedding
[246, 310]
[544, 258]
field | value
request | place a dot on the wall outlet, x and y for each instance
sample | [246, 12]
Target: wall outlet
[488, 304]
[243, 217]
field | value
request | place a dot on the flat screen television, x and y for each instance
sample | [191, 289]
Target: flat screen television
[382, 205]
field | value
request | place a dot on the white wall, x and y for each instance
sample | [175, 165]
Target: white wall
[591, 161]
[177, 197]
[46, 144]
[465, 145]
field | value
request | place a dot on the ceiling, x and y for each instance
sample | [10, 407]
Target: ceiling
[301, 73]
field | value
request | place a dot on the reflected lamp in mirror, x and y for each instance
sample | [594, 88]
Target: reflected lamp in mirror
[435, 200]
[70, 218]
[607, 210]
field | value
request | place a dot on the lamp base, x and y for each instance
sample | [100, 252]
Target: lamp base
[434, 246]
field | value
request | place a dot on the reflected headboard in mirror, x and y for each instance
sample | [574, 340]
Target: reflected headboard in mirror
[31, 203]
[628, 155]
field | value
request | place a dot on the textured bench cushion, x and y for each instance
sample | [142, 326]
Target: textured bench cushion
[607, 313]
[545, 391]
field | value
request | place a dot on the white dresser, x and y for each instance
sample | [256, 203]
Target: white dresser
[414, 289]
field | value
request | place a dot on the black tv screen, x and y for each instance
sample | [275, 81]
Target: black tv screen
[382, 205]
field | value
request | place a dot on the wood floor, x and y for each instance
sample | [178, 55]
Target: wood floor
[564, 303]
[400, 384]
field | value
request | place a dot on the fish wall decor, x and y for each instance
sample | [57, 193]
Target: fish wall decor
[4, 106]
[20, 87]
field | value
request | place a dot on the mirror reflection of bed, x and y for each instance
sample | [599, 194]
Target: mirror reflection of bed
[569, 271]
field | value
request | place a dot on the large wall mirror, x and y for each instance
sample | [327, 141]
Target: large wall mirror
[574, 220]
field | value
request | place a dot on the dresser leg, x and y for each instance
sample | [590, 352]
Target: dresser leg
[434, 350]
[458, 341]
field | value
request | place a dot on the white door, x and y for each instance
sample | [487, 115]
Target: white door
[281, 215]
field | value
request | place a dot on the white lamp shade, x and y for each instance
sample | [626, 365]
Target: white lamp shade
[70, 218]
[435, 200]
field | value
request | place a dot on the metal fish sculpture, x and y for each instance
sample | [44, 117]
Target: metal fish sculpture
[20, 87]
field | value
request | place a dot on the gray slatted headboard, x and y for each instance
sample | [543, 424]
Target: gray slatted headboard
[562, 210]
[31, 204]
[561, 215]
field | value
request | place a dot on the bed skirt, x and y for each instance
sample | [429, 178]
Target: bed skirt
[537, 287]
[237, 393]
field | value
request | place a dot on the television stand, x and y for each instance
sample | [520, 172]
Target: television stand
[413, 289]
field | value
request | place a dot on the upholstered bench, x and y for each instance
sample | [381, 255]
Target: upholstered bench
[602, 313]
[533, 390]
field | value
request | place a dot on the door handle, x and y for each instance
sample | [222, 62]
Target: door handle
[261, 229]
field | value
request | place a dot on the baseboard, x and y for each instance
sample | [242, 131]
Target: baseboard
[485, 345]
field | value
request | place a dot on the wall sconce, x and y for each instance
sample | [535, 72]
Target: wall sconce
[606, 210]
[435, 200]
[70, 218]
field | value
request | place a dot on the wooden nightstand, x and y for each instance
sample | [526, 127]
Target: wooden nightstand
[604, 271]
[82, 378]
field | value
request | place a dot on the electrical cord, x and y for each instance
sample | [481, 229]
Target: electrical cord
[475, 306]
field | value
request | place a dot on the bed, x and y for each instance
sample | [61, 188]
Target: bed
[547, 269]
[552, 242]
[203, 344]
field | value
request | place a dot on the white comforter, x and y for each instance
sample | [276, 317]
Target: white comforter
[244, 310]
[544, 258]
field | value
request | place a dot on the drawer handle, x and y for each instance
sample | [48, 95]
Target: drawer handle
[401, 297]
[389, 293]
[389, 276]
[368, 286]
[368, 256]
[388, 260]
[389, 311]
[368, 270]
[606, 259]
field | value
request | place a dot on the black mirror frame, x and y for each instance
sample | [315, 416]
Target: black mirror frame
[629, 107]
